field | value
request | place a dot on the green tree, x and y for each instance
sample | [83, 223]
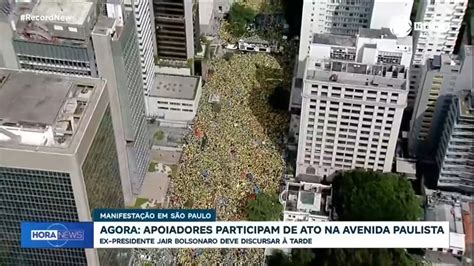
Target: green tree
[370, 196]
[362, 257]
[240, 17]
[279, 98]
[265, 207]
[373, 196]
[299, 257]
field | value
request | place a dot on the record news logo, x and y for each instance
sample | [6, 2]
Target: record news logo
[57, 235]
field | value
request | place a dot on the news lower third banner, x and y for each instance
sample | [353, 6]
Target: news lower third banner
[199, 229]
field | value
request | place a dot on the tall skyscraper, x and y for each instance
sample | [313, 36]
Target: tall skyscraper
[441, 22]
[346, 17]
[118, 61]
[59, 46]
[455, 157]
[58, 161]
[142, 12]
[354, 94]
[73, 49]
[176, 34]
[442, 77]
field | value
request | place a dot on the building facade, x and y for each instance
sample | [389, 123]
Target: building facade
[354, 94]
[442, 208]
[123, 72]
[441, 23]
[343, 17]
[175, 98]
[144, 23]
[442, 77]
[455, 157]
[57, 162]
[176, 34]
[211, 13]
[62, 46]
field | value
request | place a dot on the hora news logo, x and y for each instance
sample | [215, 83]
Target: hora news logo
[57, 235]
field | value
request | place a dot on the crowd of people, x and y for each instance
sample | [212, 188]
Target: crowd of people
[234, 151]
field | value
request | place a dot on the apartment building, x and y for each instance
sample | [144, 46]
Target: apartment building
[118, 61]
[306, 202]
[441, 23]
[346, 17]
[58, 161]
[176, 31]
[442, 77]
[174, 99]
[455, 157]
[354, 94]
[59, 46]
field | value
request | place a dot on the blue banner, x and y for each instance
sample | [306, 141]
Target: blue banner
[164, 215]
[57, 235]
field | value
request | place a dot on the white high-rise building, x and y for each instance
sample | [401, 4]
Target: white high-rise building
[346, 17]
[442, 77]
[440, 23]
[354, 94]
[455, 156]
[146, 38]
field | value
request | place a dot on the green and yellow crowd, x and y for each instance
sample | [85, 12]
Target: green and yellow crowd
[228, 143]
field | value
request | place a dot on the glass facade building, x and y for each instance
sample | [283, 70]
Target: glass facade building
[36, 196]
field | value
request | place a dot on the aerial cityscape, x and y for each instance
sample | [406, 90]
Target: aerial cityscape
[262, 110]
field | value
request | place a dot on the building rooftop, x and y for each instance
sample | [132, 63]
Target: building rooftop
[311, 198]
[44, 110]
[175, 86]
[76, 10]
[254, 39]
[346, 72]
[444, 207]
[103, 24]
[444, 62]
[332, 39]
[406, 166]
[439, 258]
[383, 33]
[23, 102]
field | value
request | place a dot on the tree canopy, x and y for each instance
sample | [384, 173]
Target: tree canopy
[265, 207]
[373, 196]
[297, 257]
[368, 196]
[240, 17]
[279, 98]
